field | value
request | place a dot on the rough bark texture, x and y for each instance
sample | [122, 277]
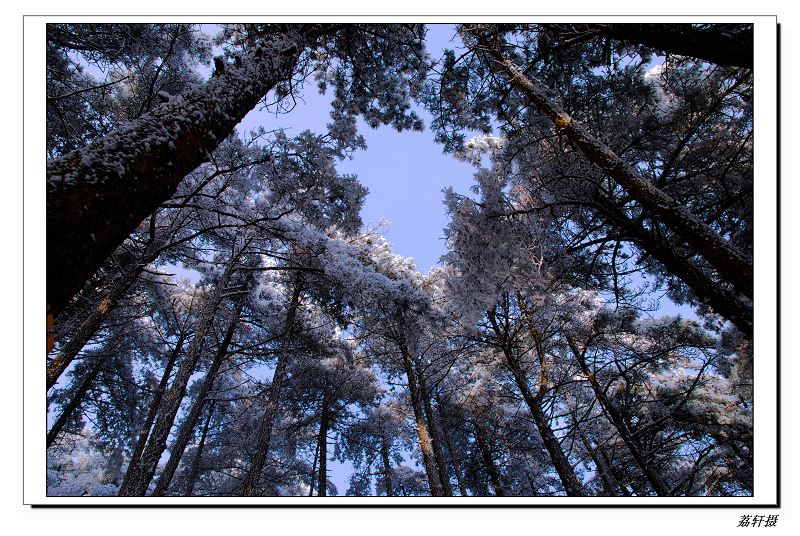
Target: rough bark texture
[436, 438]
[97, 195]
[734, 266]
[187, 427]
[250, 488]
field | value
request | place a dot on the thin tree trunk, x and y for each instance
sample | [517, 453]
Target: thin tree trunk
[488, 461]
[57, 366]
[268, 419]
[198, 455]
[140, 472]
[618, 420]
[322, 445]
[97, 195]
[187, 428]
[155, 404]
[387, 467]
[563, 467]
[73, 404]
[735, 266]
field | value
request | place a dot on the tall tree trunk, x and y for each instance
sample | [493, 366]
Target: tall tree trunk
[428, 456]
[488, 461]
[436, 438]
[462, 485]
[57, 366]
[187, 428]
[267, 420]
[74, 402]
[140, 472]
[322, 445]
[619, 422]
[387, 467]
[563, 467]
[155, 404]
[98, 195]
[193, 470]
[733, 265]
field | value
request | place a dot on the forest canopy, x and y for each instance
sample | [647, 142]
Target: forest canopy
[613, 168]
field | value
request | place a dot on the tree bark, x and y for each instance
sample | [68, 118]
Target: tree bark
[322, 445]
[436, 439]
[187, 428]
[98, 195]
[387, 467]
[155, 404]
[563, 467]
[268, 419]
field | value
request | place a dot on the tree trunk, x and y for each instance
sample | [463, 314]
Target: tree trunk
[428, 456]
[98, 195]
[322, 445]
[436, 439]
[387, 467]
[187, 428]
[140, 472]
[198, 455]
[155, 404]
[73, 404]
[560, 461]
[733, 265]
[265, 429]
[618, 420]
[488, 461]
[57, 366]
[730, 48]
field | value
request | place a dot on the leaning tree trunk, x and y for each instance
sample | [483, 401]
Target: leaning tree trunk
[732, 264]
[488, 461]
[250, 488]
[98, 195]
[195, 467]
[187, 428]
[74, 402]
[618, 420]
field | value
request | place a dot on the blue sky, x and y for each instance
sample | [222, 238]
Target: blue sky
[405, 172]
